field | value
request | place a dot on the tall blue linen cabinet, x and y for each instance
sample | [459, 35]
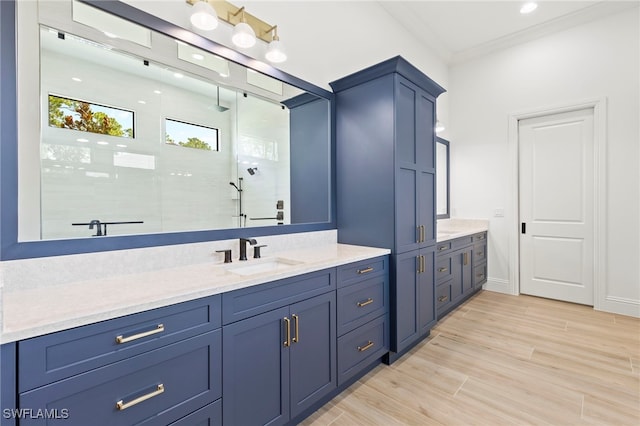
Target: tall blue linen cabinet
[385, 171]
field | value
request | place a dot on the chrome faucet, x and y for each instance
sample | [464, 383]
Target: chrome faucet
[243, 247]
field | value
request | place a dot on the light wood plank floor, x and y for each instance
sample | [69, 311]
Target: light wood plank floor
[505, 360]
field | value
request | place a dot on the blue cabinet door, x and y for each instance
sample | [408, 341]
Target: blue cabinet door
[426, 291]
[404, 303]
[313, 372]
[255, 378]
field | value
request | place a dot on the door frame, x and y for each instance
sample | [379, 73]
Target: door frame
[599, 106]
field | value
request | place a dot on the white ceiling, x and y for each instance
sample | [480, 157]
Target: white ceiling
[461, 30]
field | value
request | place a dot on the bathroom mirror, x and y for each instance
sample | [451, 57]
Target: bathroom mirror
[442, 178]
[158, 134]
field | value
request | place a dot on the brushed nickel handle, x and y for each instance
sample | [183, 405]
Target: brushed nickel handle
[365, 270]
[419, 264]
[159, 329]
[365, 303]
[443, 269]
[422, 233]
[481, 237]
[121, 405]
[296, 322]
[442, 248]
[287, 323]
[419, 234]
[465, 258]
[480, 254]
[365, 347]
[480, 276]
[442, 298]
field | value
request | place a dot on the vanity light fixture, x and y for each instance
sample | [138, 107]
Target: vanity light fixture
[439, 126]
[528, 8]
[276, 52]
[246, 28]
[243, 34]
[203, 16]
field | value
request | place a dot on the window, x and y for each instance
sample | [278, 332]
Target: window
[84, 116]
[191, 135]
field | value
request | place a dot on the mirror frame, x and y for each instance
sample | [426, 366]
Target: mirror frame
[446, 215]
[12, 249]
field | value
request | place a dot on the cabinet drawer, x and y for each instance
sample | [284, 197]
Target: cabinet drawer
[479, 253]
[154, 388]
[443, 246]
[211, 415]
[480, 237]
[250, 301]
[443, 296]
[362, 302]
[362, 346]
[479, 274]
[356, 272]
[60, 355]
[444, 268]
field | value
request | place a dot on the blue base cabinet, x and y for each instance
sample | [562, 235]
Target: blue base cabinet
[279, 363]
[385, 172]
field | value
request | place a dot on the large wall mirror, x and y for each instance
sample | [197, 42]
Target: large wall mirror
[442, 178]
[149, 131]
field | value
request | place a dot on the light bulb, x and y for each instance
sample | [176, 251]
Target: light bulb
[243, 35]
[276, 52]
[203, 16]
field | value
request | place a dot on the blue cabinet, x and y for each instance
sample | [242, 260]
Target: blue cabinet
[385, 168]
[461, 269]
[279, 363]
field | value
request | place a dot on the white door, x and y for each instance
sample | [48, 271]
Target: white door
[556, 206]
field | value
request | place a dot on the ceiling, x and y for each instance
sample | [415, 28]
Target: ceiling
[460, 30]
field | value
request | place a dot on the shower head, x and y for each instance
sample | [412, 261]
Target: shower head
[234, 185]
[252, 170]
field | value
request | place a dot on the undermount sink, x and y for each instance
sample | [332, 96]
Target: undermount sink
[253, 267]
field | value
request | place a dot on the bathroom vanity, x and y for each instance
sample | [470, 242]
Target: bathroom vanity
[269, 341]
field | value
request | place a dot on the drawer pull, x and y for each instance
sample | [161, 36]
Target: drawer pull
[481, 254]
[159, 329]
[121, 405]
[365, 270]
[442, 248]
[443, 269]
[365, 347]
[480, 276]
[465, 257]
[296, 322]
[365, 303]
[287, 323]
[481, 237]
[422, 233]
[442, 298]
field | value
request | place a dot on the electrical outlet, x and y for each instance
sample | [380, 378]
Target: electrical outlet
[498, 213]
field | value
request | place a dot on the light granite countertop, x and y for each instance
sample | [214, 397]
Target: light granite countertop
[31, 312]
[450, 229]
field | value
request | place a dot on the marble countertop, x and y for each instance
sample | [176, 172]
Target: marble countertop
[449, 229]
[33, 312]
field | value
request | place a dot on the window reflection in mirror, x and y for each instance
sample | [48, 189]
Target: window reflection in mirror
[96, 165]
[442, 178]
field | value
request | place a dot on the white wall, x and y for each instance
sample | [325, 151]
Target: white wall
[595, 60]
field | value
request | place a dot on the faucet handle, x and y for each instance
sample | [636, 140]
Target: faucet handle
[256, 251]
[227, 255]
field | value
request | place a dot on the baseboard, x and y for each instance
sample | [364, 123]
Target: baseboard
[620, 305]
[498, 285]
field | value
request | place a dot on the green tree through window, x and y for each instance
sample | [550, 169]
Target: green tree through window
[86, 117]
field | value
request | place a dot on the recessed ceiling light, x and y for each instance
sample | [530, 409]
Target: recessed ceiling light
[76, 79]
[82, 140]
[102, 143]
[157, 92]
[197, 56]
[142, 102]
[121, 145]
[178, 75]
[528, 8]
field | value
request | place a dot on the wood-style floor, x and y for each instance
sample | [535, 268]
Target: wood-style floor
[505, 360]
